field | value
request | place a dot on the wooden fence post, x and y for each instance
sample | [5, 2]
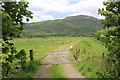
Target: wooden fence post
[78, 52]
[76, 55]
[103, 54]
[31, 55]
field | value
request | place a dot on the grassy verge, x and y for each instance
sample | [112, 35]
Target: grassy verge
[29, 71]
[57, 72]
[91, 57]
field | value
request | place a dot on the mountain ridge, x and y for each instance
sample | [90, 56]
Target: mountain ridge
[69, 26]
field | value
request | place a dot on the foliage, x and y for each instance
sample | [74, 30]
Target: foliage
[9, 51]
[70, 26]
[9, 30]
[111, 38]
[22, 56]
[12, 17]
[111, 13]
[29, 71]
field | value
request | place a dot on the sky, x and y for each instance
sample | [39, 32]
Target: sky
[58, 9]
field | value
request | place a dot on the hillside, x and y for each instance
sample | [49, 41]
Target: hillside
[70, 26]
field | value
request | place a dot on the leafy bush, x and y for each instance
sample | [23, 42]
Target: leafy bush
[22, 56]
[110, 37]
[11, 57]
[8, 57]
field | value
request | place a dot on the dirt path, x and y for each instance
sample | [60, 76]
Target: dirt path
[43, 72]
[70, 71]
[45, 68]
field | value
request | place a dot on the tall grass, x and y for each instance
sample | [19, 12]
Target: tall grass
[29, 71]
[91, 57]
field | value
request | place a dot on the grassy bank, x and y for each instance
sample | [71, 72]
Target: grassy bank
[92, 55]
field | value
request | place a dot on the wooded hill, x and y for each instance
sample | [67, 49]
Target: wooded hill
[70, 26]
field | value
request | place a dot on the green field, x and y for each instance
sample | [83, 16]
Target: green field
[91, 54]
[39, 46]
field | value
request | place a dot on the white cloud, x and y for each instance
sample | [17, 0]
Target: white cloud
[46, 9]
[74, 14]
[49, 6]
[87, 7]
[47, 17]
[35, 19]
[59, 18]
[87, 13]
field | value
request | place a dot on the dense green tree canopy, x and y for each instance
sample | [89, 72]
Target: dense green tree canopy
[111, 38]
[111, 13]
[9, 30]
[13, 14]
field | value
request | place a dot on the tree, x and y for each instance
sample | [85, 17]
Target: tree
[112, 37]
[111, 13]
[9, 30]
[13, 14]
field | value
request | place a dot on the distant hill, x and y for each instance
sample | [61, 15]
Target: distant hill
[70, 26]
